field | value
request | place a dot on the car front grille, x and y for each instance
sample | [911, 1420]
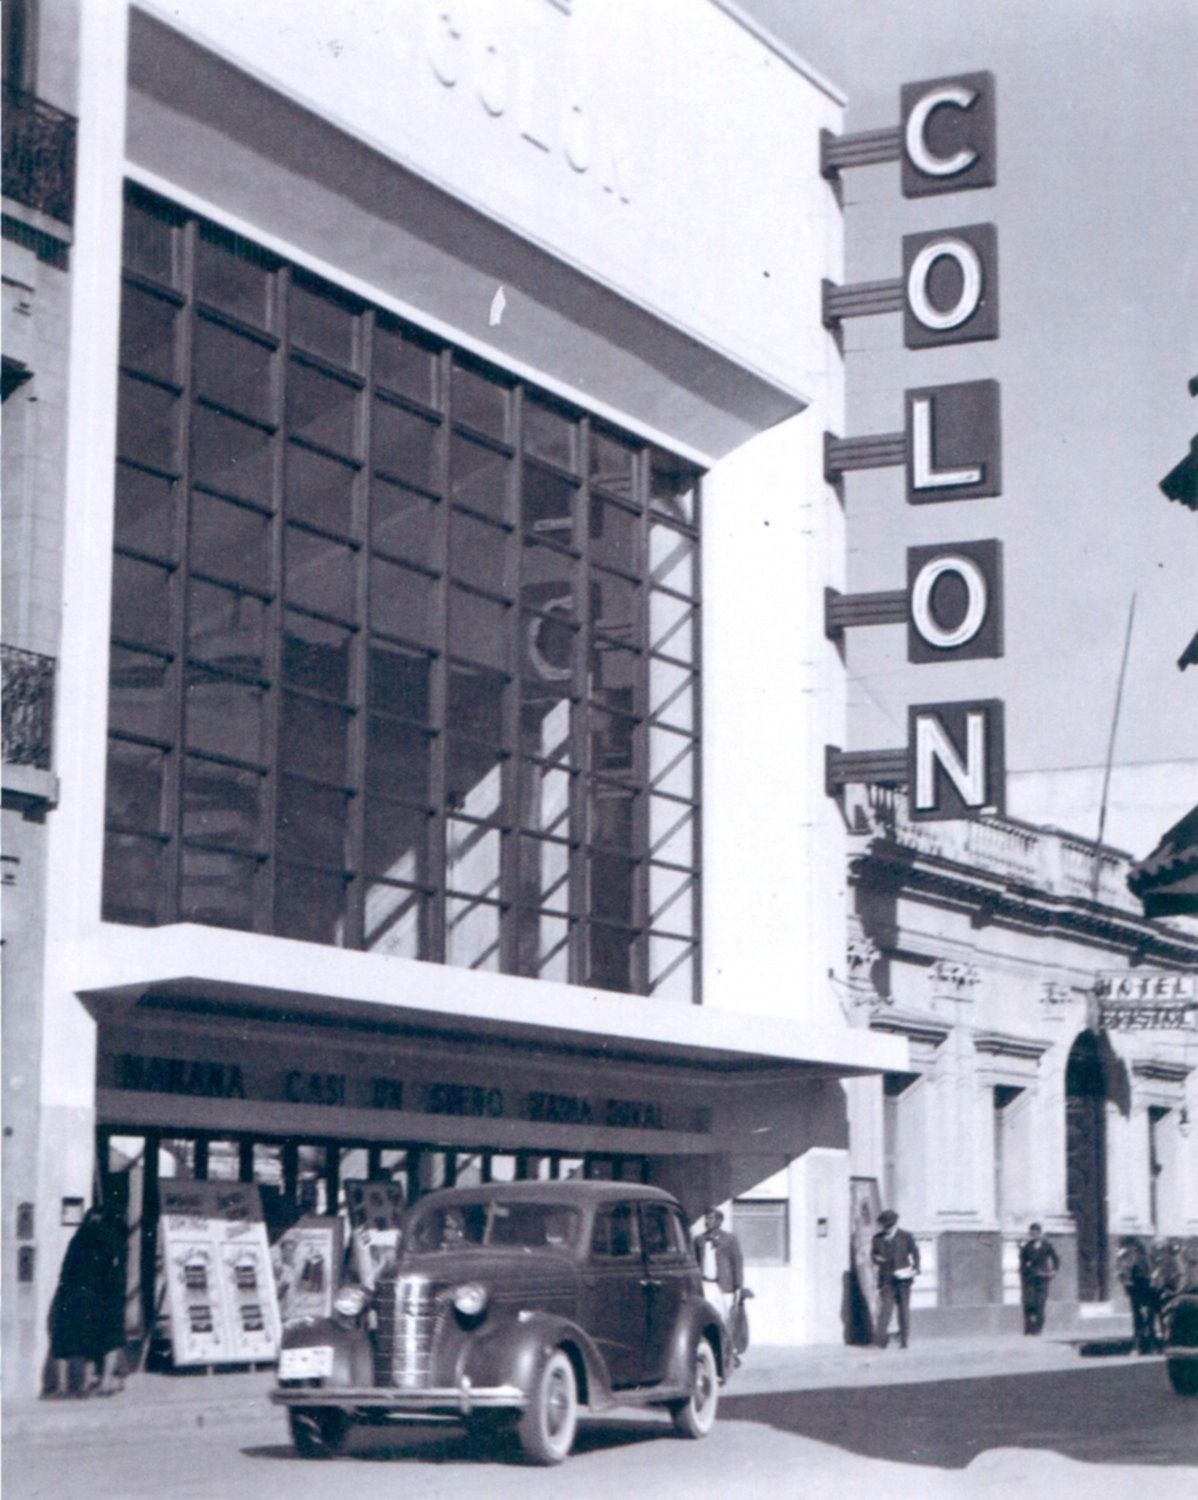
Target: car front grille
[407, 1323]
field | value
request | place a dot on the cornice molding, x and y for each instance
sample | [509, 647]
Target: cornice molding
[1161, 1070]
[915, 1028]
[1004, 1044]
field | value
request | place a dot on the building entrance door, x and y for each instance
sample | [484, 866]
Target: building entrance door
[1085, 1163]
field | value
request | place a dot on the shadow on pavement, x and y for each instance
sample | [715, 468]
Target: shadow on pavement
[1127, 1415]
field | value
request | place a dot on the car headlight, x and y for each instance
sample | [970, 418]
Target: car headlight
[350, 1301]
[470, 1299]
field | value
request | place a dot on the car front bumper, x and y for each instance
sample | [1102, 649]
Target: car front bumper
[450, 1400]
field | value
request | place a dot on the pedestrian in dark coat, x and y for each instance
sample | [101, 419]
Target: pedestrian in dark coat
[896, 1257]
[1038, 1264]
[87, 1318]
[1135, 1274]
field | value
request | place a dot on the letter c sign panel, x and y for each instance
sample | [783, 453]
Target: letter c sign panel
[948, 135]
[950, 286]
[955, 607]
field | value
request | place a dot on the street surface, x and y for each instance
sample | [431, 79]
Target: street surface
[1091, 1429]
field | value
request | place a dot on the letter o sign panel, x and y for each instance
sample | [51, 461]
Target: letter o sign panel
[954, 601]
[948, 135]
[950, 286]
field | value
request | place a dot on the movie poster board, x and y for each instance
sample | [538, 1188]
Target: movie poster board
[306, 1261]
[375, 1212]
[220, 1290]
[865, 1206]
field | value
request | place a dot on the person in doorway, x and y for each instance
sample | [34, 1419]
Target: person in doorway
[722, 1266]
[87, 1318]
[1038, 1263]
[1135, 1275]
[896, 1258]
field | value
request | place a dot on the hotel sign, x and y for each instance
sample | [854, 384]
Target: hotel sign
[949, 448]
[1146, 1000]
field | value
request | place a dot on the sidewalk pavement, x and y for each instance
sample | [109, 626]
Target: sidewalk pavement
[173, 1402]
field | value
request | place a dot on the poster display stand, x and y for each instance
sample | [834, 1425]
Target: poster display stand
[375, 1212]
[306, 1260]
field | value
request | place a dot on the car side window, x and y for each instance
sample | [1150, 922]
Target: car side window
[662, 1231]
[614, 1236]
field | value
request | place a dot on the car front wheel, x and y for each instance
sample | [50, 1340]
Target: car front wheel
[318, 1431]
[1183, 1373]
[696, 1417]
[549, 1422]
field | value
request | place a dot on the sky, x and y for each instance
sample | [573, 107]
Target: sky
[1097, 213]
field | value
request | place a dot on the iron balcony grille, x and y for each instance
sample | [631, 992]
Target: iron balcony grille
[28, 707]
[407, 1321]
[39, 155]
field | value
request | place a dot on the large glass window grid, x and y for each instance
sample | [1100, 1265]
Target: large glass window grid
[403, 650]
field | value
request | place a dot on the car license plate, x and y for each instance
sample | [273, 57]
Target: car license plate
[312, 1362]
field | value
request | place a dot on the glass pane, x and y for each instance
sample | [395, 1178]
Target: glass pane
[149, 334]
[217, 889]
[312, 821]
[226, 629]
[310, 904]
[398, 681]
[476, 702]
[405, 445]
[472, 858]
[613, 676]
[224, 717]
[615, 536]
[483, 404]
[672, 560]
[761, 1229]
[221, 804]
[612, 464]
[148, 424]
[546, 798]
[609, 955]
[149, 242]
[395, 921]
[479, 629]
[544, 873]
[319, 573]
[396, 841]
[477, 552]
[672, 900]
[672, 831]
[146, 517]
[316, 655]
[403, 523]
[141, 602]
[548, 505]
[550, 434]
[612, 739]
[614, 607]
[672, 968]
[397, 760]
[401, 602]
[234, 275]
[404, 364]
[611, 879]
[672, 694]
[320, 490]
[671, 626]
[134, 887]
[322, 322]
[134, 791]
[544, 946]
[139, 700]
[473, 778]
[479, 477]
[545, 729]
[313, 738]
[320, 409]
[471, 934]
[234, 371]
[672, 763]
[672, 487]
[230, 542]
[611, 815]
[232, 456]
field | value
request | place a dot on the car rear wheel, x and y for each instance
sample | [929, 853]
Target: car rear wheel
[549, 1422]
[695, 1417]
[1183, 1374]
[318, 1431]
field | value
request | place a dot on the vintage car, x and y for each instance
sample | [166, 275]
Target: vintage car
[1181, 1343]
[512, 1306]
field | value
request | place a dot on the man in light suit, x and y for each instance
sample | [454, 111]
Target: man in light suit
[722, 1266]
[896, 1256]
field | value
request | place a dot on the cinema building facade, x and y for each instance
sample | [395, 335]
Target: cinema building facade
[441, 684]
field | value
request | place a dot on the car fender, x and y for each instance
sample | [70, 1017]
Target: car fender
[353, 1358]
[1182, 1324]
[699, 1318]
[512, 1351]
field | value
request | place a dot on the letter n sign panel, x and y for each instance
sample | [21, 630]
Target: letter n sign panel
[955, 759]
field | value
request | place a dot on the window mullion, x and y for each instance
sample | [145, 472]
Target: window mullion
[513, 772]
[268, 882]
[355, 849]
[579, 881]
[439, 674]
[640, 736]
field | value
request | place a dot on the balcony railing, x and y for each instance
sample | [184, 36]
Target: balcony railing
[28, 707]
[39, 155]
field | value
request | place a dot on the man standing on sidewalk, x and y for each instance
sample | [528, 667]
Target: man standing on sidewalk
[1037, 1266]
[722, 1266]
[896, 1256]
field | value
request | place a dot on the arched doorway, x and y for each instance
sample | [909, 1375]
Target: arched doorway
[1085, 1162]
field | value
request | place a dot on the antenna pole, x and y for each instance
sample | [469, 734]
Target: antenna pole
[1110, 750]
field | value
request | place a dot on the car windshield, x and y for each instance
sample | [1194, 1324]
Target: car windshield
[475, 1226]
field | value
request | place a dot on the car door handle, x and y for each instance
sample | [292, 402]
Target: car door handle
[651, 1281]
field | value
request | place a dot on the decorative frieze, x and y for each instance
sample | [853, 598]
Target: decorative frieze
[954, 979]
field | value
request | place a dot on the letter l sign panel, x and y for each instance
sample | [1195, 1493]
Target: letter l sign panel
[955, 759]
